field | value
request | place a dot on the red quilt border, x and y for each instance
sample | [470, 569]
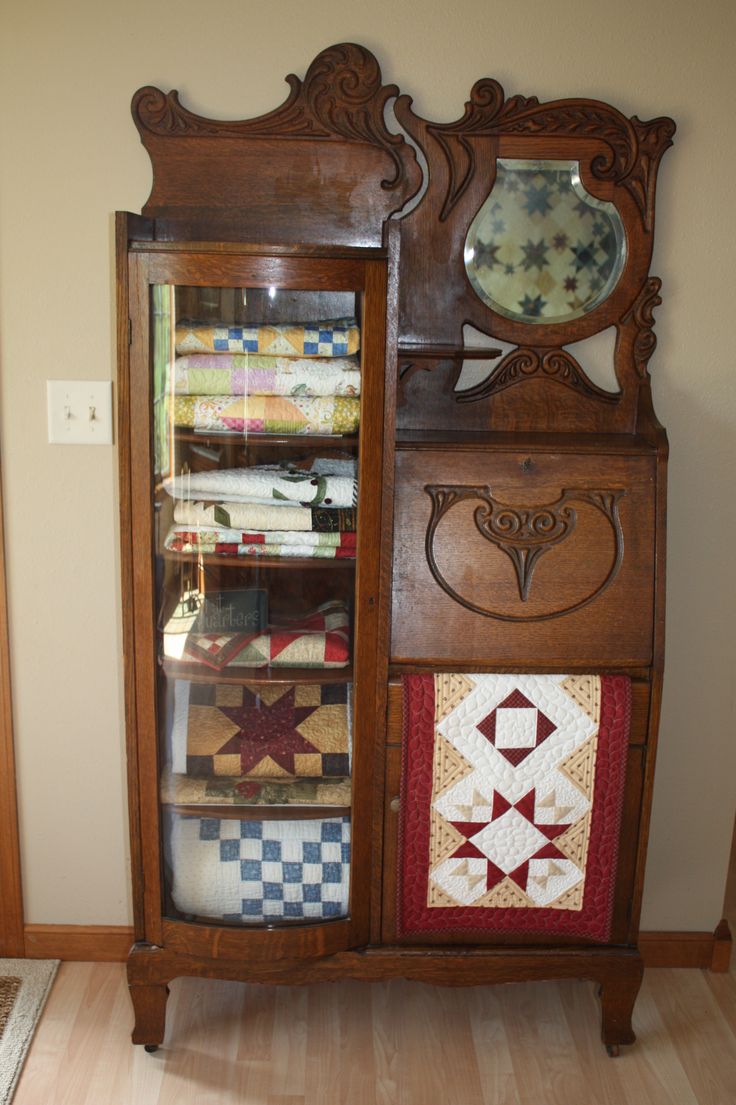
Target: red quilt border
[593, 921]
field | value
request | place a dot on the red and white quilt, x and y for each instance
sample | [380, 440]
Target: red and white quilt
[512, 791]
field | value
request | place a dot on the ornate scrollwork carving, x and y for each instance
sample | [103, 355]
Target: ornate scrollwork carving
[634, 147]
[641, 315]
[341, 97]
[524, 534]
[526, 363]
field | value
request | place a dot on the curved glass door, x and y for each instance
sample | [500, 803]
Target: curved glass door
[256, 410]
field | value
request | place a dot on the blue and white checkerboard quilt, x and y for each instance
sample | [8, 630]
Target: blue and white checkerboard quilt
[255, 871]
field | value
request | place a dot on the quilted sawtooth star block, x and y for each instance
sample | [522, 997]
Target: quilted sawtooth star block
[512, 791]
[263, 731]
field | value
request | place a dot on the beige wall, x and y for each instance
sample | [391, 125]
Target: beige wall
[71, 156]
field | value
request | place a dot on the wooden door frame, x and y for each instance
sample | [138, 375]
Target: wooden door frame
[12, 943]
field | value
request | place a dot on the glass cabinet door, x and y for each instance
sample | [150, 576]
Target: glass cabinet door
[256, 502]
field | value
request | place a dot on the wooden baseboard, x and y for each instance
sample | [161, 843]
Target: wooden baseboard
[91, 943]
[711, 950]
[111, 944]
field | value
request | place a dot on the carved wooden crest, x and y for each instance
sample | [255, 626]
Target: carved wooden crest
[322, 168]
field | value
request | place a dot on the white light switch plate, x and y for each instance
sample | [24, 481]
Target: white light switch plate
[80, 412]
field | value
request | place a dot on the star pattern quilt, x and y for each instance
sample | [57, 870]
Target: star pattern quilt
[512, 790]
[256, 871]
[273, 731]
[543, 249]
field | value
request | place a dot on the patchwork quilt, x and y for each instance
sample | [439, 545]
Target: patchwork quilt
[252, 374]
[266, 414]
[328, 338]
[320, 639]
[262, 517]
[227, 542]
[266, 484]
[512, 790]
[271, 731]
[256, 871]
[181, 790]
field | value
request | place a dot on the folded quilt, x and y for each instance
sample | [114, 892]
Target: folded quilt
[265, 484]
[266, 414]
[228, 542]
[256, 871]
[320, 639]
[512, 793]
[271, 731]
[252, 374]
[329, 338]
[257, 517]
[181, 790]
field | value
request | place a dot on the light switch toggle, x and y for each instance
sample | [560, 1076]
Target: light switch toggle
[79, 412]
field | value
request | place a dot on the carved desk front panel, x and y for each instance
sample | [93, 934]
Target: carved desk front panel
[528, 560]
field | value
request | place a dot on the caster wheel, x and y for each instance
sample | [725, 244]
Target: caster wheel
[613, 1050]
[150, 1048]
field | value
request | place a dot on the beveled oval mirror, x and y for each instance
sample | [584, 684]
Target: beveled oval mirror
[541, 249]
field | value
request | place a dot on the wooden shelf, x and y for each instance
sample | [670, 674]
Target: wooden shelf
[199, 673]
[294, 441]
[419, 352]
[260, 813]
[290, 563]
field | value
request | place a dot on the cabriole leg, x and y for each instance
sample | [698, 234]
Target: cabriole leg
[618, 994]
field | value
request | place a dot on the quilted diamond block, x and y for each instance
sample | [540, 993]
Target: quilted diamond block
[516, 728]
[509, 841]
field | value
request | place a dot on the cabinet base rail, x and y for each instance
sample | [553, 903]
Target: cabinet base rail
[617, 970]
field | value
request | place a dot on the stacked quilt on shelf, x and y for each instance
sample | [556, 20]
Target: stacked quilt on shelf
[512, 792]
[320, 639]
[256, 871]
[261, 731]
[262, 744]
[259, 744]
[289, 509]
[301, 378]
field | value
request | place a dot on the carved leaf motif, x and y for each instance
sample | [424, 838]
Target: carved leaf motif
[641, 315]
[526, 363]
[340, 98]
[634, 147]
[524, 534]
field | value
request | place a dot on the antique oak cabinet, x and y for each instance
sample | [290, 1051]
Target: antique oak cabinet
[393, 507]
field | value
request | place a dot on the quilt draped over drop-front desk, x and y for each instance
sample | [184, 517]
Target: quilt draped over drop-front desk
[512, 790]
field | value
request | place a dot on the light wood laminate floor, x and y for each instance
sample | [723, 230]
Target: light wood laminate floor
[395, 1043]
